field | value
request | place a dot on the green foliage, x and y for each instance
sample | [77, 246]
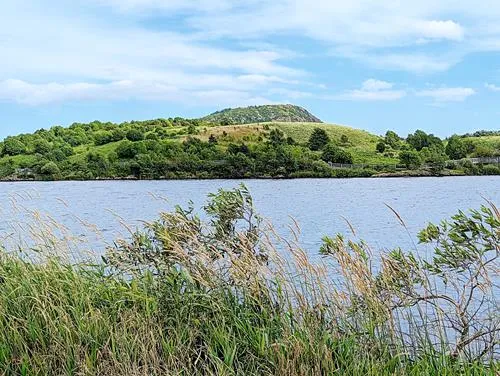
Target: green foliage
[393, 140]
[261, 114]
[42, 146]
[318, 139]
[434, 156]
[456, 148]
[420, 139]
[135, 134]
[334, 154]
[192, 148]
[193, 296]
[13, 146]
[276, 137]
[128, 149]
[410, 159]
[381, 146]
[50, 169]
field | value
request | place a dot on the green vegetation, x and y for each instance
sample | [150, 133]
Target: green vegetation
[261, 114]
[177, 148]
[192, 297]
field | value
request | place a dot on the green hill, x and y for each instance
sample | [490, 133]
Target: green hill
[210, 148]
[262, 114]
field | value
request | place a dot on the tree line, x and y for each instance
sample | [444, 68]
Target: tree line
[173, 148]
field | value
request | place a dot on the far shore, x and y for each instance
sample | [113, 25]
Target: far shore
[416, 174]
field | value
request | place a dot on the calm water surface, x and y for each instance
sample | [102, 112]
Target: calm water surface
[318, 205]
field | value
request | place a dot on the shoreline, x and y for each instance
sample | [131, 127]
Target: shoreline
[381, 176]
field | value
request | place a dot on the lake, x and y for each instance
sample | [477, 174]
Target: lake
[318, 205]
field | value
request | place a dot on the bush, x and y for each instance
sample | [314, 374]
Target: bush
[318, 139]
[42, 146]
[410, 159]
[456, 148]
[135, 134]
[333, 154]
[50, 169]
[12, 146]
[381, 147]
[490, 170]
[209, 294]
[128, 149]
[103, 138]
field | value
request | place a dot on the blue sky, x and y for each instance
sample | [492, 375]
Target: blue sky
[377, 65]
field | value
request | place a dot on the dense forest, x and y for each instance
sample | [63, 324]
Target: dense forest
[177, 148]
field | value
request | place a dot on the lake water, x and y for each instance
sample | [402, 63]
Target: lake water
[318, 205]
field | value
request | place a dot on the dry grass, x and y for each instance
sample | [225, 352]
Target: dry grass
[229, 296]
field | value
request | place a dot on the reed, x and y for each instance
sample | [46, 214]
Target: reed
[229, 296]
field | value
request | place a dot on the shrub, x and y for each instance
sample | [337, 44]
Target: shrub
[12, 146]
[490, 170]
[135, 134]
[456, 148]
[410, 159]
[209, 294]
[50, 169]
[380, 147]
[103, 138]
[333, 154]
[128, 149]
[318, 139]
[42, 146]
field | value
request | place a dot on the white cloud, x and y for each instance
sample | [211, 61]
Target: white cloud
[55, 56]
[376, 85]
[385, 33]
[38, 94]
[372, 90]
[447, 94]
[110, 49]
[492, 87]
[440, 30]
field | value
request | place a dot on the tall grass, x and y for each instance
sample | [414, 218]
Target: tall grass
[229, 296]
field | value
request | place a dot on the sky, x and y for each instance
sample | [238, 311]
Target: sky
[387, 64]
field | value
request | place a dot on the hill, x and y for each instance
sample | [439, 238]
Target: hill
[261, 114]
[176, 148]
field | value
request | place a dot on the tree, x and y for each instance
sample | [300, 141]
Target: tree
[127, 149]
[102, 138]
[135, 134]
[392, 139]
[410, 158]
[13, 146]
[41, 146]
[276, 137]
[381, 146]
[333, 154]
[319, 138]
[420, 140]
[212, 139]
[50, 169]
[344, 139]
[435, 156]
[456, 148]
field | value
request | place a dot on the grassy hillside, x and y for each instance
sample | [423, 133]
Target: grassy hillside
[196, 148]
[261, 114]
[486, 145]
[360, 143]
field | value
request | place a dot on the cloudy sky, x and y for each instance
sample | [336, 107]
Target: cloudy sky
[378, 65]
